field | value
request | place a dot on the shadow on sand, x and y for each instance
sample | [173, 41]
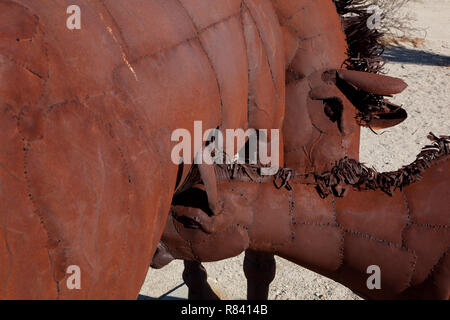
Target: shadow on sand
[165, 296]
[412, 56]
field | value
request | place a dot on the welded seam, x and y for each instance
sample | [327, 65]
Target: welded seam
[432, 269]
[36, 211]
[292, 221]
[241, 8]
[47, 78]
[341, 229]
[408, 216]
[180, 43]
[265, 49]
[333, 205]
[413, 265]
[435, 268]
[153, 55]
[207, 57]
[316, 224]
[431, 226]
[292, 16]
[22, 66]
[392, 245]
[381, 241]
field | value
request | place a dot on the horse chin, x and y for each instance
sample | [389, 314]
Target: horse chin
[162, 257]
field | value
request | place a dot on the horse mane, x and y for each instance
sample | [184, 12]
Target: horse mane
[346, 173]
[365, 51]
[364, 44]
[349, 172]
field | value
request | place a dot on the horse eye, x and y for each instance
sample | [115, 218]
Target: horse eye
[333, 109]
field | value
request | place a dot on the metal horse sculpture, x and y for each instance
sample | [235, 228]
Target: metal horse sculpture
[317, 147]
[398, 221]
[86, 175]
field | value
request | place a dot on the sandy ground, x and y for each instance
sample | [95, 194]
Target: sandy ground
[426, 69]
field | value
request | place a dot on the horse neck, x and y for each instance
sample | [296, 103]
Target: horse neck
[341, 237]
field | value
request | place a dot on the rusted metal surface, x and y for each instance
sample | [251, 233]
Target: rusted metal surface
[398, 221]
[323, 100]
[86, 175]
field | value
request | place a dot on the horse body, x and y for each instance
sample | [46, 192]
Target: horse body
[405, 234]
[320, 127]
[86, 176]
[315, 42]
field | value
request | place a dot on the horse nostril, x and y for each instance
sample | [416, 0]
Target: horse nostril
[334, 108]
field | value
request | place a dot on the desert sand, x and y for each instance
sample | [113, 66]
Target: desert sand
[426, 69]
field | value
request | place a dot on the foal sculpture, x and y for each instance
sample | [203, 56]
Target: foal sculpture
[398, 221]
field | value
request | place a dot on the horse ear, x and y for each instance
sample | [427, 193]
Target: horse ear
[388, 116]
[373, 83]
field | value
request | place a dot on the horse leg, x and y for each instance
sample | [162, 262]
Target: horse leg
[259, 269]
[195, 277]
